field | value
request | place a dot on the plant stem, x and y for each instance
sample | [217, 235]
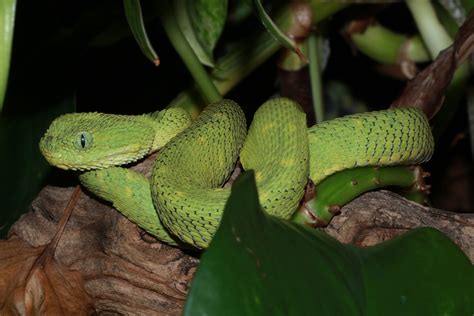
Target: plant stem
[388, 47]
[437, 39]
[342, 187]
[248, 54]
[434, 35]
[197, 70]
[230, 70]
[315, 77]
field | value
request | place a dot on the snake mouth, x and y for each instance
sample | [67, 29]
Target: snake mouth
[60, 163]
[113, 160]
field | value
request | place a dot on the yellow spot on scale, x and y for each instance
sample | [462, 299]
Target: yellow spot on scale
[291, 129]
[179, 193]
[267, 127]
[396, 156]
[263, 196]
[287, 163]
[259, 176]
[385, 160]
[201, 140]
[129, 191]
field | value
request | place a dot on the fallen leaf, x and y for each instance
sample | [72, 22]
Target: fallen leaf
[32, 282]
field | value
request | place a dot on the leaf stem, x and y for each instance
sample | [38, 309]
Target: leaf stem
[342, 187]
[315, 77]
[437, 38]
[433, 33]
[197, 70]
[248, 54]
[388, 47]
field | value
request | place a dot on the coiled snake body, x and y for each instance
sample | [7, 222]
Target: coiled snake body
[184, 199]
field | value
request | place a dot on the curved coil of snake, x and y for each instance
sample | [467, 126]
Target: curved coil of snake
[184, 199]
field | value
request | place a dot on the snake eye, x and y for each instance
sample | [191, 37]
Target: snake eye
[84, 140]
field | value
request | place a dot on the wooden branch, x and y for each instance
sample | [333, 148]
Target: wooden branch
[128, 272]
[382, 215]
[125, 270]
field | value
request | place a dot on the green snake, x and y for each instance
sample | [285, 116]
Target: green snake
[184, 199]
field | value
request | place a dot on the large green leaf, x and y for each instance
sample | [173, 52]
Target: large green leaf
[261, 265]
[7, 18]
[201, 22]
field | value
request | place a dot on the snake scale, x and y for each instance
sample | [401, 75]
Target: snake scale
[184, 199]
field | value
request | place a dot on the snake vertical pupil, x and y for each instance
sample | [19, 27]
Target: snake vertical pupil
[83, 140]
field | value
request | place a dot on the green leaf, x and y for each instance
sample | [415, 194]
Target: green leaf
[208, 19]
[133, 12]
[261, 265]
[7, 21]
[275, 31]
[201, 22]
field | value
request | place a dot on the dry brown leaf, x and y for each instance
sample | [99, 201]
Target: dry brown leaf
[33, 283]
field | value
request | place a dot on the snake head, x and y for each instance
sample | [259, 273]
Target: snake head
[85, 141]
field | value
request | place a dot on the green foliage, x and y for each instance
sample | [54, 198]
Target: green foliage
[7, 18]
[275, 31]
[133, 12]
[201, 22]
[170, 18]
[261, 265]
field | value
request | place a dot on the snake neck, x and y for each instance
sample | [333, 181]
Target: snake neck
[166, 124]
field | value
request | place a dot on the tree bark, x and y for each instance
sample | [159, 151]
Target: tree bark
[378, 216]
[128, 272]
